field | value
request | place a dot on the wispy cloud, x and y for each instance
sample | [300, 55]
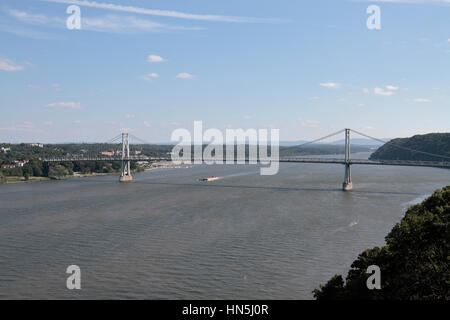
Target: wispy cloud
[107, 23]
[168, 13]
[27, 126]
[309, 123]
[154, 58]
[184, 75]
[421, 100]
[128, 24]
[150, 76]
[408, 1]
[64, 105]
[382, 92]
[392, 88]
[9, 65]
[330, 85]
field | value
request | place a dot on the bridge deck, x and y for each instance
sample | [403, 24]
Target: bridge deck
[435, 164]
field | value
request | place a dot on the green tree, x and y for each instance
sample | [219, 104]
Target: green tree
[2, 178]
[414, 263]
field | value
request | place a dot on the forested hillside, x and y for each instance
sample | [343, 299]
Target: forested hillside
[397, 149]
[414, 263]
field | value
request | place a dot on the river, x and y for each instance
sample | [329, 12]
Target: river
[168, 236]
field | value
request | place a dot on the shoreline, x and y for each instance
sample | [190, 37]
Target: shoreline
[154, 166]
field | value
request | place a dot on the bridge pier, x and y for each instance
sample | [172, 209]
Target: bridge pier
[125, 175]
[347, 185]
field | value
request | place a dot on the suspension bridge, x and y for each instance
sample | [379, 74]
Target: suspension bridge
[125, 157]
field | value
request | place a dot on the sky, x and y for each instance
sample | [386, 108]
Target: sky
[307, 68]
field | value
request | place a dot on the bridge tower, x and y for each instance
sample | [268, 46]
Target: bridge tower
[347, 185]
[125, 175]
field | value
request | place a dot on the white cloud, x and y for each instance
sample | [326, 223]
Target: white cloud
[146, 124]
[421, 100]
[107, 23]
[167, 13]
[154, 58]
[150, 76]
[129, 24]
[64, 105]
[330, 85]
[392, 88]
[32, 18]
[382, 92]
[8, 65]
[129, 116]
[410, 1]
[366, 90]
[77, 121]
[184, 75]
[24, 126]
[33, 86]
[48, 123]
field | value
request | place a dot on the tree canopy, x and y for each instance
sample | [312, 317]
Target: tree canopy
[414, 263]
[435, 143]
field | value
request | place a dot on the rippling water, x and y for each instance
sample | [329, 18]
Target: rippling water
[169, 236]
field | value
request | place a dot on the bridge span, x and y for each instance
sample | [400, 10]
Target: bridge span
[347, 185]
[403, 163]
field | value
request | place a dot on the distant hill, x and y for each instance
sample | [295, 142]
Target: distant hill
[436, 143]
[292, 143]
[353, 141]
[319, 149]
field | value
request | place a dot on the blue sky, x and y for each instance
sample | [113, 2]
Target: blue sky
[307, 68]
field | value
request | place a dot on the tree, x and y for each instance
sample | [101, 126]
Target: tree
[414, 263]
[2, 178]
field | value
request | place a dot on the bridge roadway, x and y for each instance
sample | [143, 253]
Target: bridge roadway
[434, 164]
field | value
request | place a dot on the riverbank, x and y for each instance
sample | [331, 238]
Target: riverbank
[153, 166]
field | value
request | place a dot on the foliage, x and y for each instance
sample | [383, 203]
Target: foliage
[414, 262]
[436, 143]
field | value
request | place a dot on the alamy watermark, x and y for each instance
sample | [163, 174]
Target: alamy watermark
[374, 20]
[374, 280]
[235, 142]
[73, 22]
[74, 280]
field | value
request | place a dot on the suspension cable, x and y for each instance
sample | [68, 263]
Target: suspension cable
[139, 139]
[114, 139]
[323, 138]
[301, 145]
[400, 147]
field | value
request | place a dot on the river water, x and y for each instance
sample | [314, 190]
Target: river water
[168, 236]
